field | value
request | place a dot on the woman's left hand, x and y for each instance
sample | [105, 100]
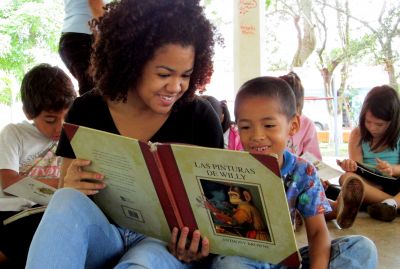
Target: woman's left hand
[384, 167]
[185, 251]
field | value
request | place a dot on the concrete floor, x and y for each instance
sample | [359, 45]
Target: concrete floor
[386, 237]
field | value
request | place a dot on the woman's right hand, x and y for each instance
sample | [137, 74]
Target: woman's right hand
[347, 165]
[87, 182]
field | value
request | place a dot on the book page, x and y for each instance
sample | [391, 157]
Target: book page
[32, 189]
[129, 198]
[324, 170]
[212, 178]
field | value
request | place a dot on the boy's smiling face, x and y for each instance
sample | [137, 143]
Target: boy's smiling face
[263, 128]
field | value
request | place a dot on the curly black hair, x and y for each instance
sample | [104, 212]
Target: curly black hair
[130, 32]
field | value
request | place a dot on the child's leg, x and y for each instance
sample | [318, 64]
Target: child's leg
[349, 199]
[382, 204]
[74, 233]
[356, 252]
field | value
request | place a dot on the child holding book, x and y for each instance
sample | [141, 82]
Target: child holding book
[376, 141]
[28, 149]
[265, 112]
[149, 58]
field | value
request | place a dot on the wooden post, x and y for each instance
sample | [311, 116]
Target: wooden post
[248, 40]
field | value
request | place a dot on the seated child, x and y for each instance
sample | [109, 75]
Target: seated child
[231, 134]
[27, 149]
[345, 206]
[376, 141]
[265, 112]
[306, 139]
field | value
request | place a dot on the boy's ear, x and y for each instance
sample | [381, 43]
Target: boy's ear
[294, 125]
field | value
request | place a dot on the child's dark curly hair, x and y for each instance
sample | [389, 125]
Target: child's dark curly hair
[130, 32]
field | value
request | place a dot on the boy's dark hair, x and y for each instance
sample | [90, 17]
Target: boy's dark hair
[131, 31]
[384, 103]
[269, 87]
[222, 110]
[295, 83]
[46, 88]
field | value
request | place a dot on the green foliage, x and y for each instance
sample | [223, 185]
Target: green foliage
[28, 29]
[6, 90]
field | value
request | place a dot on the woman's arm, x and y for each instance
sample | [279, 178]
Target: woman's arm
[96, 6]
[74, 176]
[318, 241]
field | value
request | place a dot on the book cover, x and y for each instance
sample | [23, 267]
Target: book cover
[236, 199]
[370, 173]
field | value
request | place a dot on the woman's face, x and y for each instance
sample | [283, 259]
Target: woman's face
[165, 78]
[375, 126]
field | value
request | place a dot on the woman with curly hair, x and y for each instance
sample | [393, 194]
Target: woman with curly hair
[149, 58]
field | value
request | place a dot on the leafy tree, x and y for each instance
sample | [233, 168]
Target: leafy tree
[28, 30]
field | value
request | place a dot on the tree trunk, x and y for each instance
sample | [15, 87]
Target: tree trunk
[389, 68]
[306, 42]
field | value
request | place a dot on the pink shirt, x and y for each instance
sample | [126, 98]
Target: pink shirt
[305, 140]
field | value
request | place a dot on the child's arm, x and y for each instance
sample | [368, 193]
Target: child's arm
[387, 168]
[355, 152]
[73, 176]
[8, 176]
[318, 241]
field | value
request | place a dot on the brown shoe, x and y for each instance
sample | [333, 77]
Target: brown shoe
[382, 211]
[349, 202]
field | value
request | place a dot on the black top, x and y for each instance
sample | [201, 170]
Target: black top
[193, 123]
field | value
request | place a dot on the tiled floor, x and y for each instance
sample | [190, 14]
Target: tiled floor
[386, 237]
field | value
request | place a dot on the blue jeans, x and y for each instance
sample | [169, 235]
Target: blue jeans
[74, 233]
[350, 252]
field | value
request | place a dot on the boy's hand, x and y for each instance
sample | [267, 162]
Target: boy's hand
[179, 248]
[384, 167]
[87, 182]
[347, 165]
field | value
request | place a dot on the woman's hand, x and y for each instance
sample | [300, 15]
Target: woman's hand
[347, 165]
[188, 252]
[384, 167]
[87, 182]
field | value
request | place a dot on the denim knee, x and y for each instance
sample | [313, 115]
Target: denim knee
[237, 262]
[353, 252]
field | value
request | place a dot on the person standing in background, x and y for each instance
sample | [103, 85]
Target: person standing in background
[76, 39]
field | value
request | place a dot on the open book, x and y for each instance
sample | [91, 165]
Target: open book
[372, 174]
[38, 190]
[41, 180]
[152, 188]
[325, 171]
